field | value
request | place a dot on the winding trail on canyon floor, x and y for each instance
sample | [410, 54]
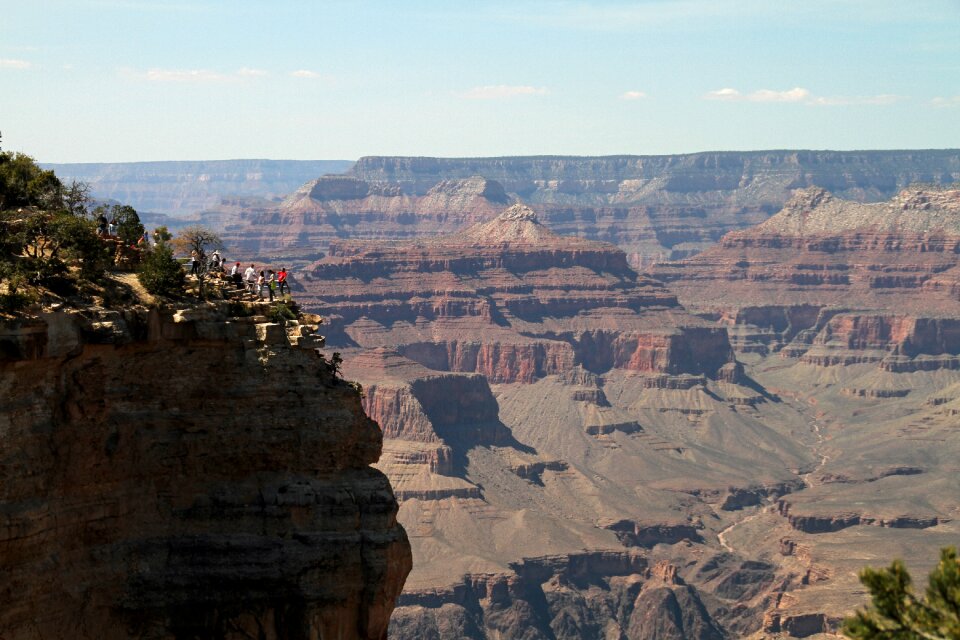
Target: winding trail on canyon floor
[761, 509]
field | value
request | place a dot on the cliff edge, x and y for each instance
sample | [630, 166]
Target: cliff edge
[193, 472]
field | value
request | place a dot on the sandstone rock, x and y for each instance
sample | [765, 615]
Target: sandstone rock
[161, 483]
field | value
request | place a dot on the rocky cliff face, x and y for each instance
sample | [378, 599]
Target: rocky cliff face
[188, 473]
[847, 311]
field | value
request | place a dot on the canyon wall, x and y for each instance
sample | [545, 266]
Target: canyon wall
[652, 207]
[191, 472]
[836, 281]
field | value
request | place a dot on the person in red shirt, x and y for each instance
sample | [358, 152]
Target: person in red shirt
[282, 280]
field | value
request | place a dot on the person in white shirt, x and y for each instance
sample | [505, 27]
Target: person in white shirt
[250, 275]
[236, 276]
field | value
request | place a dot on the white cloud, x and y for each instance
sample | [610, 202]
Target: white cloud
[726, 94]
[183, 75]
[304, 73]
[197, 76]
[953, 101]
[633, 95]
[886, 98]
[800, 95]
[9, 63]
[500, 91]
[797, 94]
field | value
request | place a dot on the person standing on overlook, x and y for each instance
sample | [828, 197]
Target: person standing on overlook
[271, 283]
[261, 281]
[282, 280]
[250, 276]
[236, 276]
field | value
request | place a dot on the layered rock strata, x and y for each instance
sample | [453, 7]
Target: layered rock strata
[848, 312]
[838, 282]
[540, 397]
[333, 207]
[653, 207]
[511, 300]
[191, 472]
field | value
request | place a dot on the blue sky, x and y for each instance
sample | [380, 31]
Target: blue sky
[127, 80]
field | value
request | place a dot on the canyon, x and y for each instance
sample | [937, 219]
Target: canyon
[188, 471]
[569, 444]
[639, 397]
[711, 448]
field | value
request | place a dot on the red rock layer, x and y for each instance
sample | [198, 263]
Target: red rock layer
[511, 300]
[877, 286]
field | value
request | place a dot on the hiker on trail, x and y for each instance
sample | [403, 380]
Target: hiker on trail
[282, 280]
[236, 276]
[250, 275]
[144, 240]
[261, 281]
[113, 226]
[216, 261]
[272, 284]
[101, 225]
[194, 263]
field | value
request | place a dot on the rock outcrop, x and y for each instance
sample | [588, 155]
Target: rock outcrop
[838, 282]
[190, 472]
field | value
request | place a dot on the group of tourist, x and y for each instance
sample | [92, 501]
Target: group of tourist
[264, 283]
[274, 283]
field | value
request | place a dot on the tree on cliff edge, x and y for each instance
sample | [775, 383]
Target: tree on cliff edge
[197, 238]
[896, 613]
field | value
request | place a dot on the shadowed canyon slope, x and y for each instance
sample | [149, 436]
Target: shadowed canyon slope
[652, 207]
[566, 440]
[188, 473]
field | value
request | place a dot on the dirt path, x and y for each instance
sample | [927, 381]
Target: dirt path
[131, 280]
[805, 477]
[817, 449]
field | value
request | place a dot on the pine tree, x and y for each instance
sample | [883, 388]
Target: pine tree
[897, 614]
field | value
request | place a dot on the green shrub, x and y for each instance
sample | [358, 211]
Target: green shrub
[281, 313]
[160, 273]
